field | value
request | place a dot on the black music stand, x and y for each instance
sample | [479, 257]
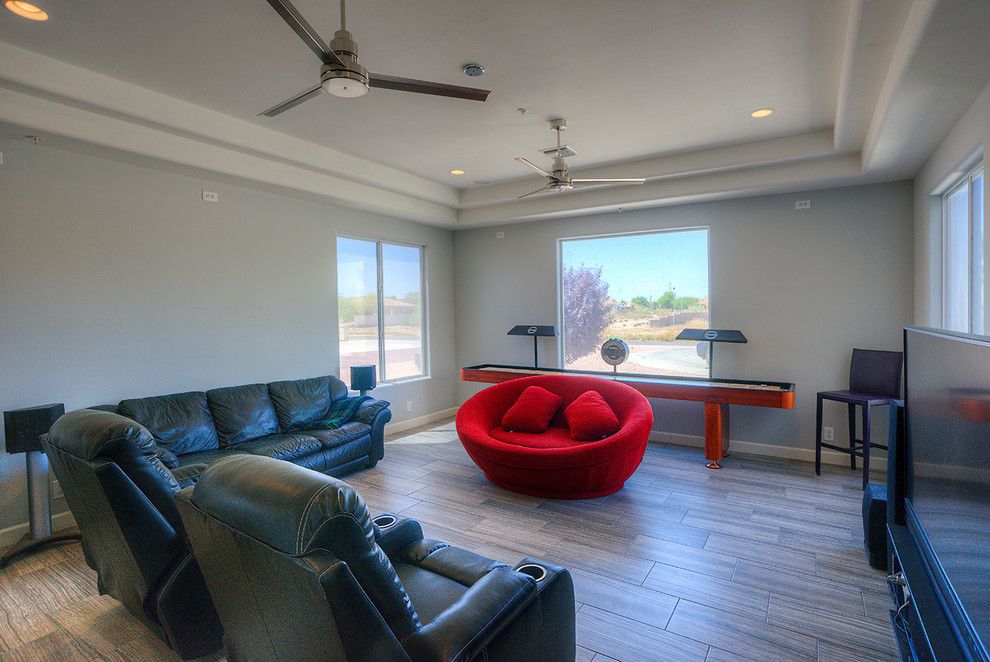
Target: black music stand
[712, 336]
[537, 331]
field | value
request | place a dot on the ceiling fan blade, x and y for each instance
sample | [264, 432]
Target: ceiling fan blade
[426, 87]
[533, 166]
[293, 102]
[633, 180]
[539, 190]
[306, 32]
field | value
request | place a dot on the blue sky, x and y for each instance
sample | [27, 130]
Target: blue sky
[645, 265]
[357, 270]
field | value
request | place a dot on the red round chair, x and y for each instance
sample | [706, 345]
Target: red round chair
[551, 464]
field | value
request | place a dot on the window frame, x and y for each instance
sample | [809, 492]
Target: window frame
[381, 368]
[628, 233]
[963, 181]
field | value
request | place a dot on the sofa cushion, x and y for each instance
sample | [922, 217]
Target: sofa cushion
[205, 457]
[300, 401]
[338, 389]
[337, 436]
[590, 418]
[532, 410]
[242, 413]
[180, 422]
[287, 446]
[551, 438]
[189, 474]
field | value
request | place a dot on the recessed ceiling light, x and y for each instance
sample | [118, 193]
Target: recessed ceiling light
[760, 113]
[457, 171]
[26, 10]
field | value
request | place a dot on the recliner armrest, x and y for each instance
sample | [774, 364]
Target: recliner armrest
[393, 539]
[469, 624]
[461, 565]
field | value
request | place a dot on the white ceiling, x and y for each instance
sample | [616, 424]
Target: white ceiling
[862, 90]
[633, 78]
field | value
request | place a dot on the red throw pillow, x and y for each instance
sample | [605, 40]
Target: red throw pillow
[532, 411]
[590, 418]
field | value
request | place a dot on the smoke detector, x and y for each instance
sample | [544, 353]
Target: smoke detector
[474, 70]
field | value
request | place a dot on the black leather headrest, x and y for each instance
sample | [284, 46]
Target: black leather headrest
[89, 433]
[281, 504]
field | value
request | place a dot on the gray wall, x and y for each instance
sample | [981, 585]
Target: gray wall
[116, 281]
[805, 287]
[962, 149]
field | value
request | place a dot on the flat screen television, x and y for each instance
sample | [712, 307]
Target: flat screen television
[947, 491]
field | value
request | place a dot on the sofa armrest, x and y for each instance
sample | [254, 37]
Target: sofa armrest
[370, 409]
[468, 625]
[375, 413]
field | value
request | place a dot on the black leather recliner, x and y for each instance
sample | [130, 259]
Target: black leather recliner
[111, 465]
[122, 498]
[300, 571]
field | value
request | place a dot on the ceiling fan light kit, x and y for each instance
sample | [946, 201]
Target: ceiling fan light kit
[346, 78]
[343, 76]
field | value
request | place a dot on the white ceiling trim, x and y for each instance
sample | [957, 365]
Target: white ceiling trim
[786, 149]
[64, 121]
[841, 134]
[837, 170]
[46, 77]
[82, 109]
[911, 36]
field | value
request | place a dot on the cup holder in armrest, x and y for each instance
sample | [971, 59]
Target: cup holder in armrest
[385, 521]
[537, 572]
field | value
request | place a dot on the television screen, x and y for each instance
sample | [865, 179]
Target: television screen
[947, 409]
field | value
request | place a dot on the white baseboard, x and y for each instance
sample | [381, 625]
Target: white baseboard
[410, 423]
[12, 534]
[767, 450]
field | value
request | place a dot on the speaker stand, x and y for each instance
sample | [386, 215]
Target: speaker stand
[40, 533]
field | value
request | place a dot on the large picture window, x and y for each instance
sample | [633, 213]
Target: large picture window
[962, 255]
[380, 306]
[643, 288]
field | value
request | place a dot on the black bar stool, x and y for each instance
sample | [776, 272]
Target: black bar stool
[874, 379]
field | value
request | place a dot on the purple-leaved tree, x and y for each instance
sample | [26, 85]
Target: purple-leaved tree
[587, 311]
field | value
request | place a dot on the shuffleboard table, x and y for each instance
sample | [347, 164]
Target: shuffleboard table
[717, 394]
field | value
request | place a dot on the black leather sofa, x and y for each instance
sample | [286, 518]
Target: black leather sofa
[300, 571]
[120, 467]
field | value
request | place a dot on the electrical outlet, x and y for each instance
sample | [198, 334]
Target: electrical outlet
[409, 405]
[802, 204]
[500, 235]
[828, 434]
[210, 196]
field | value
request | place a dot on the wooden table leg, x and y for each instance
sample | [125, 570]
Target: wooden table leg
[716, 433]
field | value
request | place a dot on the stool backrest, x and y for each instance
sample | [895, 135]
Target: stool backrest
[876, 372]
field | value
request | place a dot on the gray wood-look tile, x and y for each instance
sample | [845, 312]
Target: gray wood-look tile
[630, 641]
[747, 637]
[704, 589]
[698, 560]
[813, 591]
[756, 561]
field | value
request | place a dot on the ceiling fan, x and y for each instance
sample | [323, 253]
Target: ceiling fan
[558, 180]
[342, 76]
